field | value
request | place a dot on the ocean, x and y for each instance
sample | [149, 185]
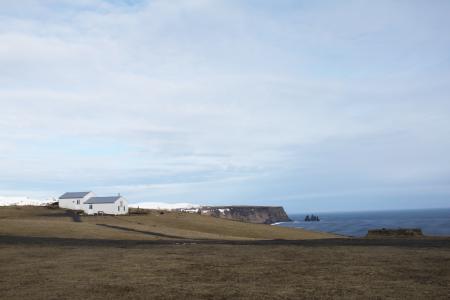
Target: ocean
[433, 222]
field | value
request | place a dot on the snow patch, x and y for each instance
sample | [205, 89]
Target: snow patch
[22, 201]
[164, 206]
[190, 210]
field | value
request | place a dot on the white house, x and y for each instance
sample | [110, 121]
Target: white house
[74, 200]
[116, 205]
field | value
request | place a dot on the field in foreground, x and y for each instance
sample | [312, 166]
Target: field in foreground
[50, 254]
[201, 271]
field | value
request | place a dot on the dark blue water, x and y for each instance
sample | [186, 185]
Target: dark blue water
[435, 222]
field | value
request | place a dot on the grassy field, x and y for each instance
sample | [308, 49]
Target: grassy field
[44, 222]
[188, 271]
[44, 254]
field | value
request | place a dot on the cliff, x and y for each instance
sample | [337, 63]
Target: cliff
[250, 214]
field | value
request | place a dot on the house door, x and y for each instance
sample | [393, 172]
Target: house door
[90, 210]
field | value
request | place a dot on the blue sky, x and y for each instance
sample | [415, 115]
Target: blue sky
[313, 105]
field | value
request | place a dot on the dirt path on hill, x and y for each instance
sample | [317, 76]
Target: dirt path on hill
[142, 231]
[75, 217]
[409, 243]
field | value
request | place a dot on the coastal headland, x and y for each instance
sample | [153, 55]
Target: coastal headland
[250, 214]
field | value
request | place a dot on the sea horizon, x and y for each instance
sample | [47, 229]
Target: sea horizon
[364, 210]
[432, 221]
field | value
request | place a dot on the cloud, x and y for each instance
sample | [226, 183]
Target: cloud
[138, 93]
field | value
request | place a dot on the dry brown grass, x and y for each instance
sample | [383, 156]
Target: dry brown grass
[113, 267]
[223, 272]
[40, 221]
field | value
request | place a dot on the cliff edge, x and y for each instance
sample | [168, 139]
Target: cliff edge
[250, 214]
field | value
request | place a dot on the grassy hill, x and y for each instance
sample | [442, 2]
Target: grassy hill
[38, 263]
[44, 222]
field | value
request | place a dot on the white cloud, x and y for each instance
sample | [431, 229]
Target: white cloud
[96, 93]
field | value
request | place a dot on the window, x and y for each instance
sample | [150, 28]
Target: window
[90, 206]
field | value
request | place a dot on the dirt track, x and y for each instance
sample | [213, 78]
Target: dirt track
[394, 242]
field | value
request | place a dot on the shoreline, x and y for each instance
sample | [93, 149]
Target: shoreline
[432, 222]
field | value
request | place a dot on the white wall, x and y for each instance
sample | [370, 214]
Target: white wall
[73, 203]
[120, 207]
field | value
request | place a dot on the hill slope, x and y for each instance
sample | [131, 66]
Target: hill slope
[44, 222]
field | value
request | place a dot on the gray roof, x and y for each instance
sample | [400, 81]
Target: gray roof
[100, 200]
[74, 195]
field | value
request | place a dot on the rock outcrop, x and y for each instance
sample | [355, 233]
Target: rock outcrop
[250, 214]
[312, 218]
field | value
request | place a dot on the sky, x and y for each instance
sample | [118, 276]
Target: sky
[312, 105]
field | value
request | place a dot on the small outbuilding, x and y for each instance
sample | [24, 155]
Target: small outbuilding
[115, 205]
[74, 200]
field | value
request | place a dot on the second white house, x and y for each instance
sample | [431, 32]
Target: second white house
[115, 205]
